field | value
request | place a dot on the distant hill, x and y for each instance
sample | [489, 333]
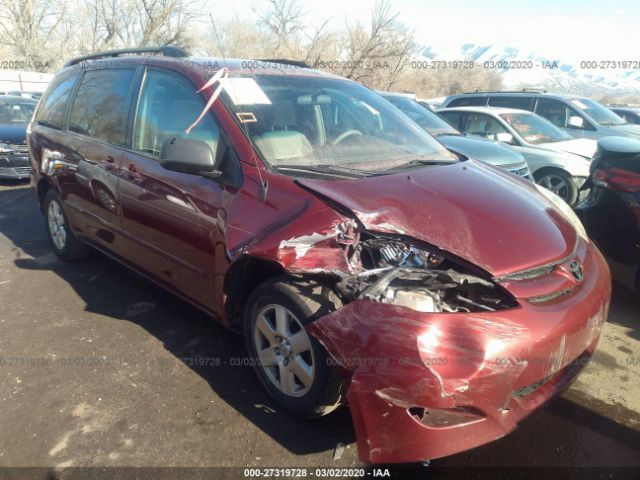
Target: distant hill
[549, 73]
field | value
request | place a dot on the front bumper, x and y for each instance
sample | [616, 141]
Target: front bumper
[427, 385]
[15, 165]
[17, 173]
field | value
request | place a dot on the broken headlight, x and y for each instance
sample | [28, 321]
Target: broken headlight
[401, 273]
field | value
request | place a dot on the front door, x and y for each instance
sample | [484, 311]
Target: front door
[173, 222]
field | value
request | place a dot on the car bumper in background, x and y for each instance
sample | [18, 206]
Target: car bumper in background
[15, 172]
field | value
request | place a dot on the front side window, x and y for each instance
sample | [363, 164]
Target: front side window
[167, 106]
[453, 118]
[101, 106]
[534, 129]
[326, 122]
[556, 112]
[52, 109]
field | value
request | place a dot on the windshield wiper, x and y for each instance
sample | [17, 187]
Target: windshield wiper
[327, 168]
[421, 163]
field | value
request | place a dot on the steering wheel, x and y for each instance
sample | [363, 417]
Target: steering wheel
[345, 134]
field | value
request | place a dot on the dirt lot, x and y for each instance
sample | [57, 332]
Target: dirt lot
[98, 367]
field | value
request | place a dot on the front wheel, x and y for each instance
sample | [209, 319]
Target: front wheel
[559, 182]
[64, 243]
[292, 366]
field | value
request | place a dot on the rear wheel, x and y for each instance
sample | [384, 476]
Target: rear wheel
[559, 182]
[64, 243]
[292, 366]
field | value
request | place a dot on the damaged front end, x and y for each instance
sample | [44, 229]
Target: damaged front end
[440, 356]
[422, 278]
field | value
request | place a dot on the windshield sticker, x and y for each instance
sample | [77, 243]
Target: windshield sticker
[244, 91]
[246, 117]
[579, 104]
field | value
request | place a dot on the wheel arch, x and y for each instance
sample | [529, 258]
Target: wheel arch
[242, 278]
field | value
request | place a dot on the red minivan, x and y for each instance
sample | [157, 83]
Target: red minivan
[439, 297]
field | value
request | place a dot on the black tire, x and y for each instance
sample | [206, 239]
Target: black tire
[307, 301]
[71, 248]
[569, 192]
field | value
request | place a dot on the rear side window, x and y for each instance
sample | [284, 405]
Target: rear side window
[508, 101]
[54, 104]
[167, 106]
[468, 102]
[101, 106]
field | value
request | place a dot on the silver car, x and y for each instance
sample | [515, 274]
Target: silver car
[556, 160]
[578, 116]
[484, 150]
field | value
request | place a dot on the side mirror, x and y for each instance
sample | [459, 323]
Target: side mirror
[504, 137]
[576, 122]
[190, 155]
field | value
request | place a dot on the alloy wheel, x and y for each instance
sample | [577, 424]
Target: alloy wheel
[284, 350]
[57, 230]
[556, 184]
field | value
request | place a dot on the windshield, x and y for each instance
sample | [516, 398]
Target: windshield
[428, 120]
[16, 112]
[600, 114]
[315, 121]
[534, 129]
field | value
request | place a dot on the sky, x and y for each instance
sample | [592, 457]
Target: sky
[570, 30]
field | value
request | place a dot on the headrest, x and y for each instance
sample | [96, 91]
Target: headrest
[281, 145]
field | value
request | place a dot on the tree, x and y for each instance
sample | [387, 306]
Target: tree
[284, 21]
[137, 23]
[377, 54]
[34, 30]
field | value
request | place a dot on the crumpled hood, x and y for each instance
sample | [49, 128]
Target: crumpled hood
[489, 218]
[585, 147]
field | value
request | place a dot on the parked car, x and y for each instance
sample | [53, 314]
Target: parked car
[557, 161]
[578, 116]
[629, 115]
[15, 113]
[485, 150]
[31, 95]
[611, 212]
[443, 299]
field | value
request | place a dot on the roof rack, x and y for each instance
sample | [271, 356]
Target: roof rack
[524, 90]
[165, 51]
[284, 61]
